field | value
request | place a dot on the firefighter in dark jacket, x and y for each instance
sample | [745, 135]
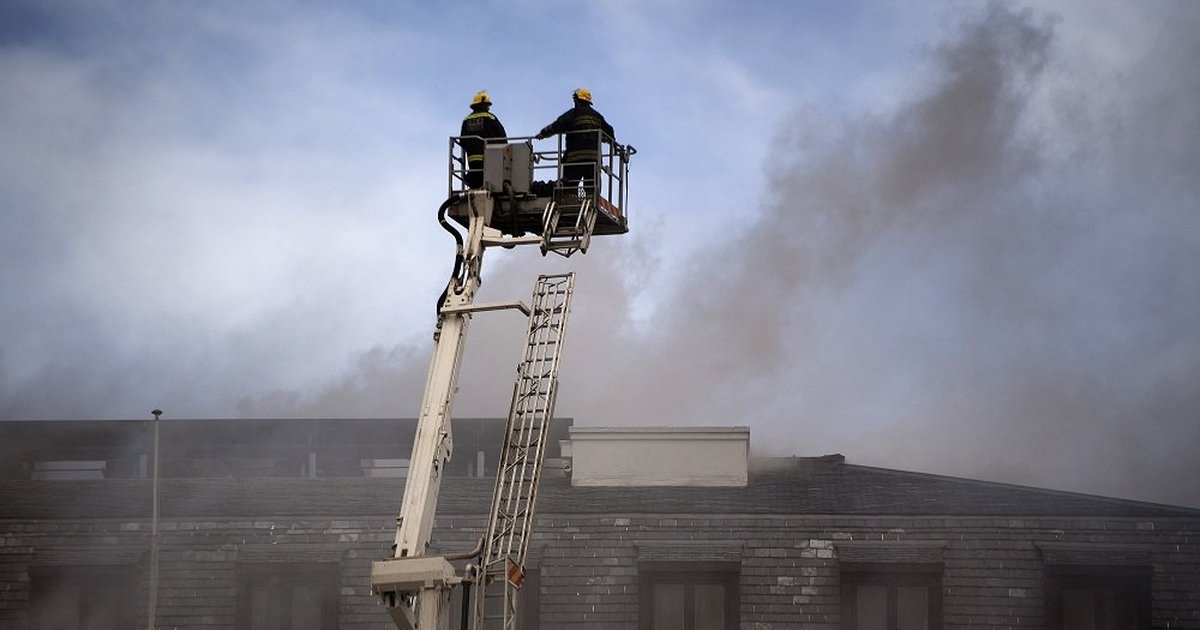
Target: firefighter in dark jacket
[584, 128]
[478, 127]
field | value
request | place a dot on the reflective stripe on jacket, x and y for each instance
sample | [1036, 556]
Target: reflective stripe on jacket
[485, 126]
[579, 126]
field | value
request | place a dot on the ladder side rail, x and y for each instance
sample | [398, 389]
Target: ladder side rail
[504, 470]
[589, 214]
[516, 471]
[546, 353]
[486, 587]
[502, 496]
[563, 309]
[528, 520]
[545, 361]
[538, 457]
[519, 488]
[560, 313]
[544, 347]
[518, 444]
[518, 475]
[498, 522]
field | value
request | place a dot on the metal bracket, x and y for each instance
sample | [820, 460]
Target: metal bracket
[488, 306]
[493, 241]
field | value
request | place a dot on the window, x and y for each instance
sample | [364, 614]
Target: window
[99, 597]
[529, 600]
[1097, 598]
[287, 596]
[689, 595]
[892, 597]
[69, 470]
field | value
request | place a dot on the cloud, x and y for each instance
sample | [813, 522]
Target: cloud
[168, 235]
[986, 271]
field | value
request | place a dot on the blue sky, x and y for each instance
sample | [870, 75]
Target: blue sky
[955, 239]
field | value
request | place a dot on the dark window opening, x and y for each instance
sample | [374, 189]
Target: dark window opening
[689, 595]
[1098, 598]
[892, 597]
[528, 599]
[287, 596]
[69, 470]
[99, 597]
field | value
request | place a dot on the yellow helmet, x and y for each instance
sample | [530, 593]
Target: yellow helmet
[582, 94]
[481, 97]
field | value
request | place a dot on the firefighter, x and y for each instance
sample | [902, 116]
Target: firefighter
[582, 125]
[484, 127]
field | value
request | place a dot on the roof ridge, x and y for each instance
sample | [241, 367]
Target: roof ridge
[1190, 511]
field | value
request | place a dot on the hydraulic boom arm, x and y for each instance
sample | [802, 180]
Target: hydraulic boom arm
[410, 583]
[414, 587]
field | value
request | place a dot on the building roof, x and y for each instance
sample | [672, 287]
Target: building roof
[807, 486]
[226, 486]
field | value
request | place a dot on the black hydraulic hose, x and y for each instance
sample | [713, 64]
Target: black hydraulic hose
[467, 555]
[512, 207]
[458, 254]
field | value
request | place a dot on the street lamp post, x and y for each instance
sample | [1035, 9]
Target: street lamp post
[152, 613]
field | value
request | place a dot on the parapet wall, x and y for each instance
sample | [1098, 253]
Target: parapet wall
[659, 456]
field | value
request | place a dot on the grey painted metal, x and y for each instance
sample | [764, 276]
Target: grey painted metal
[568, 223]
[511, 165]
[488, 306]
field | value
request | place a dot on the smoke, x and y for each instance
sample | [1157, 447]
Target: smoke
[381, 383]
[995, 279]
[982, 282]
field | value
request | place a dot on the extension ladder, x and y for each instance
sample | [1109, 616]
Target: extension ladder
[502, 563]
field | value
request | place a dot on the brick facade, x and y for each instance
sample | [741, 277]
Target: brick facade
[593, 545]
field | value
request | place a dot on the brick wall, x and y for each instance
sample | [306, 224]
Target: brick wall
[588, 565]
